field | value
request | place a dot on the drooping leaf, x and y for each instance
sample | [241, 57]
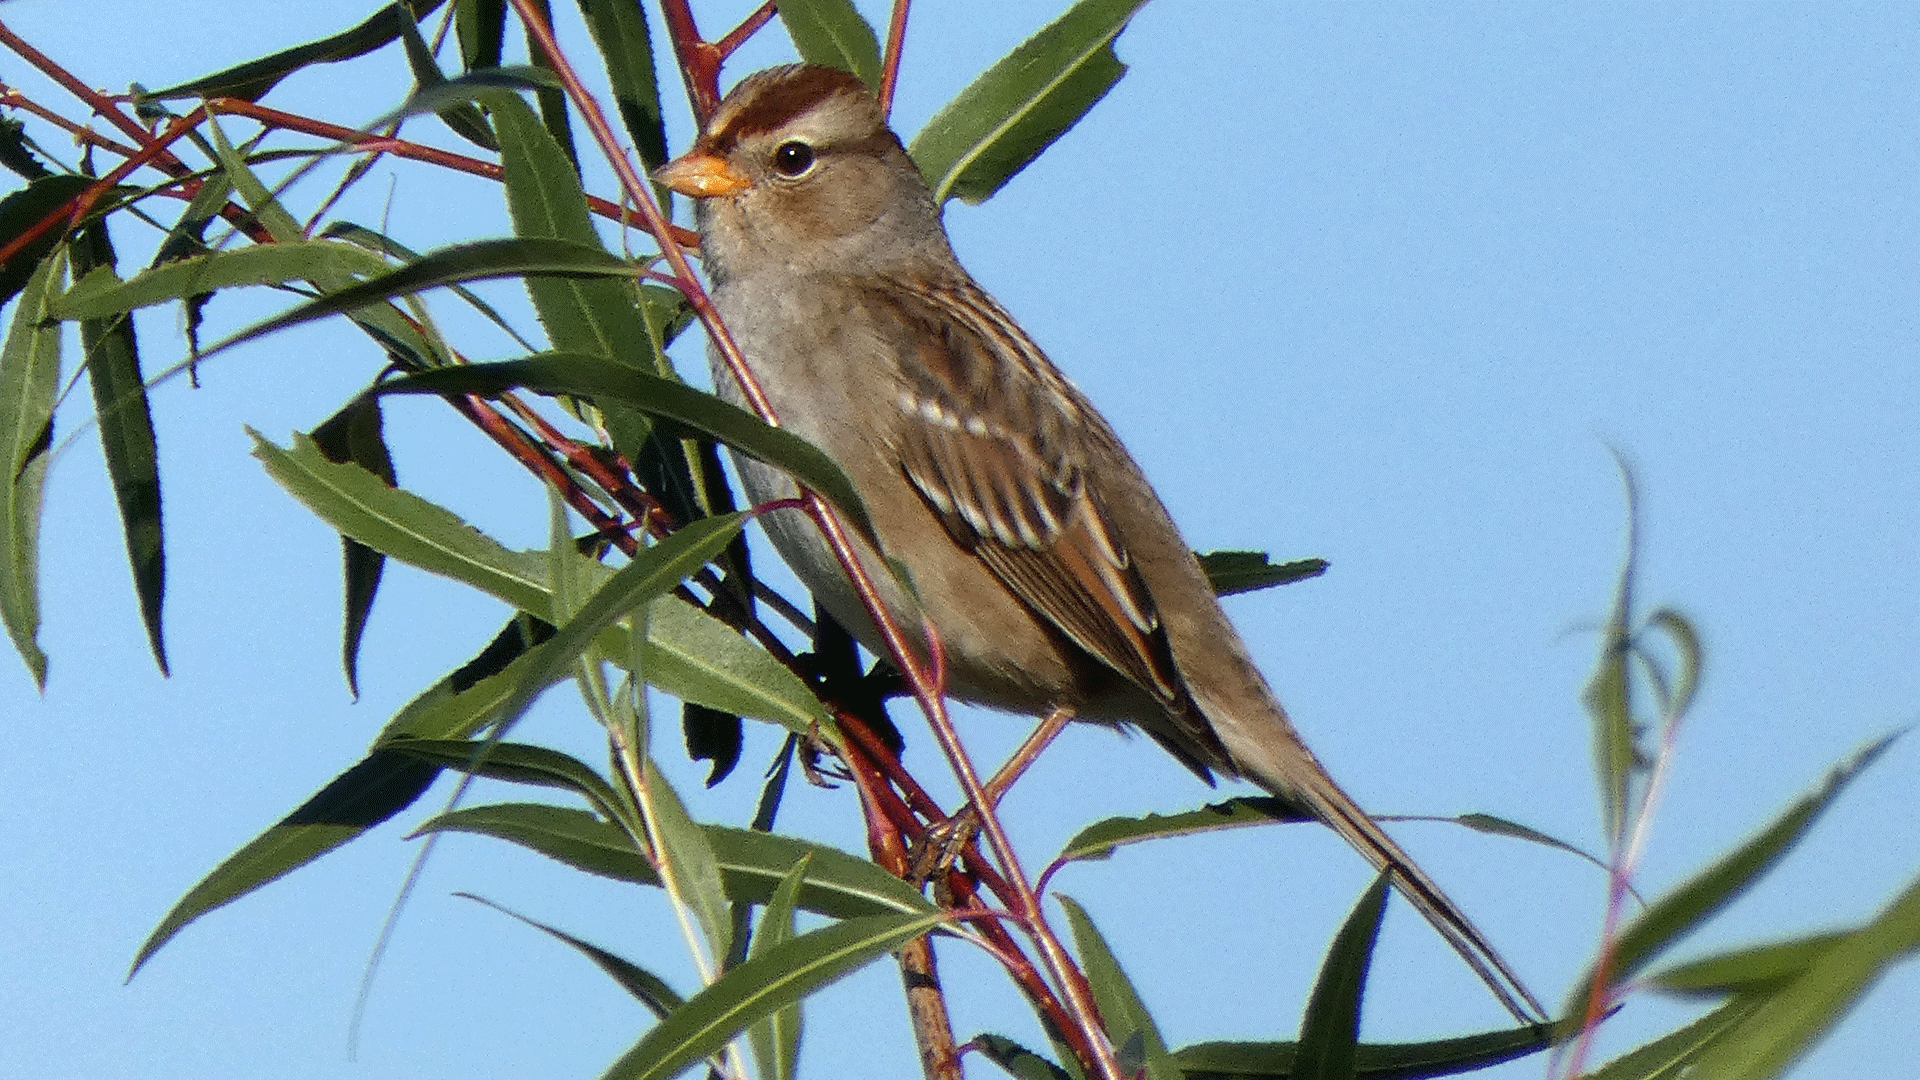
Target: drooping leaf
[714, 736]
[1019, 1062]
[1000, 123]
[620, 32]
[1129, 1025]
[380, 786]
[1234, 572]
[516, 763]
[462, 118]
[1618, 757]
[29, 382]
[354, 436]
[1330, 1031]
[762, 986]
[646, 987]
[125, 421]
[251, 81]
[832, 33]
[25, 208]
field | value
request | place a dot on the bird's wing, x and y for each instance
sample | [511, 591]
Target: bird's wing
[996, 441]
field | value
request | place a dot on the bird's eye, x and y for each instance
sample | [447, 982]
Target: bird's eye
[792, 159]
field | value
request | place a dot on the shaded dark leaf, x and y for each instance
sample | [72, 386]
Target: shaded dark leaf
[1330, 1031]
[1372, 1061]
[649, 989]
[833, 34]
[713, 736]
[619, 30]
[125, 420]
[353, 436]
[22, 210]
[1234, 572]
[251, 80]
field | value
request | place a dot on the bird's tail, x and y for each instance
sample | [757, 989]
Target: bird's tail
[1303, 780]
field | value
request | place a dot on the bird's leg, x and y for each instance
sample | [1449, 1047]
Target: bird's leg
[936, 851]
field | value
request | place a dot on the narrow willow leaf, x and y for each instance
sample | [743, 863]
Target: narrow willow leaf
[699, 659]
[267, 209]
[597, 318]
[761, 986]
[479, 261]
[459, 705]
[516, 763]
[1609, 697]
[125, 420]
[752, 864]
[689, 869]
[354, 436]
[383, 244]
[29, 382]
[463, 118]
[1758, 967]
[481, 26]
[1687, 907]
[1000, 123]
[1099, 840]
[1443, 1057]
[1499, 826]
[1330, 1031]
[833, 34]
[712, 736]
[101, 295]
[22, 210]
[251, 80]
[776, 1038]
[1019, 1062]
[380, 786]
[1792, 1019]
[360, 505]
[619, 30]
[1687, 641]
[1671, 1057]
[651, 574]
[1234, 572]
[583, 376]
[649, 989]
[1127, 1019]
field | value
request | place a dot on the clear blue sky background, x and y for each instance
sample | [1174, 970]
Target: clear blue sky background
[1380, 284]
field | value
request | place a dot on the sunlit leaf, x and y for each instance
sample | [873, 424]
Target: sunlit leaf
[1127, 1019]
[832, 33]
[29, 382]
[1234, 572]
[1330, 1031]
[251, 80]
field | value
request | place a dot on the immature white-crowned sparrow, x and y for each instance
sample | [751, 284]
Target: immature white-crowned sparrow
[1034, 545]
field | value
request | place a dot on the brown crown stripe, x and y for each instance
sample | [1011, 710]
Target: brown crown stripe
[774, 98]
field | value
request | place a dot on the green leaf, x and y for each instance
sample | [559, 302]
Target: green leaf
[22, 210]
[1099, 840]
[102, 295]
[1330, 1031]
[1758, 967]
[1687, 907]
[650, 989]
[762, 986]
[354, 436]
[1234, 572]
[586, 377]
[29, 383]
[462, 117]
[1129, 1025]
[380, 786]
[1443, 1057]
[832, 33]
[619, 30]
[126, 438]
[1673, 1055]
[404, 526]
[482, 27]
[251, 81]
[689, 869]
[1019, 1062]
[752, 864]
[517, 763]
[651, 574]
[1609, 697]
[1000, 123]
[699, 659]
[1790, 1020]
[776, 1038]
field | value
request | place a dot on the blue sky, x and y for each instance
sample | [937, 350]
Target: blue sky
[1377, 283]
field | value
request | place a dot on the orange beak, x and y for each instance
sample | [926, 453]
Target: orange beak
[701, 175]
